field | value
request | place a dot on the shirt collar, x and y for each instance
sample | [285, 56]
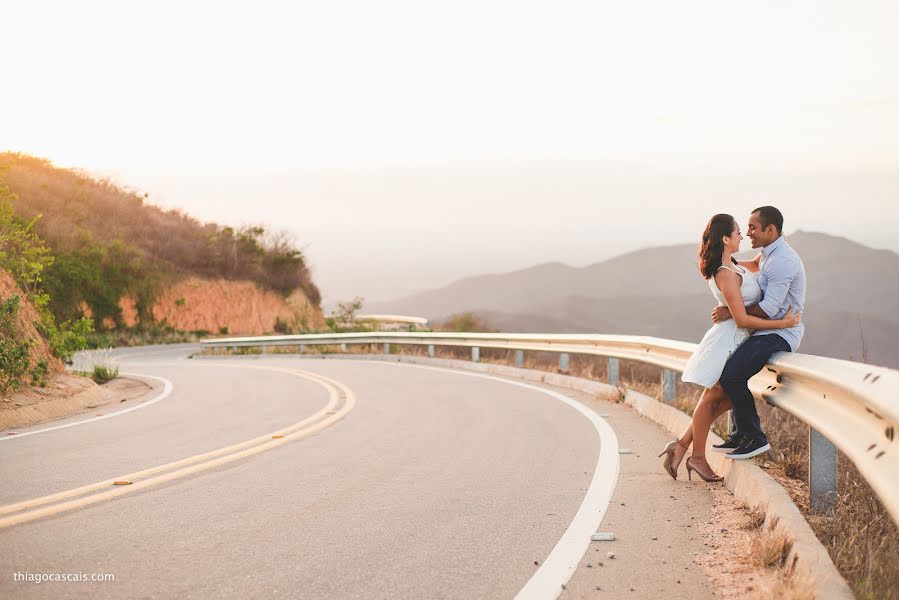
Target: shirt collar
[767, 250]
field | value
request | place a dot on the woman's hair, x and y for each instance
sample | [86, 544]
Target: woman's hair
[711, 250]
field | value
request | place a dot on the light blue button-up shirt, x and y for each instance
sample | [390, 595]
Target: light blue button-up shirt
[782, 279]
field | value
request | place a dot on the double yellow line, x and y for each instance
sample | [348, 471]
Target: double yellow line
[341, 401]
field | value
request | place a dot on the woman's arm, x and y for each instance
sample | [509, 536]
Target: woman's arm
[729, 284]
[752, 265]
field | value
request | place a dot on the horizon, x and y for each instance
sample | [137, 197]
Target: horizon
[401, 159]
[376, 286]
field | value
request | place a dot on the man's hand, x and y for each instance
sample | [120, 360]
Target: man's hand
[721, 313]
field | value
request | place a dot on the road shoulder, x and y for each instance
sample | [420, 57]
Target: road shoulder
[66, 395]
[656, 521]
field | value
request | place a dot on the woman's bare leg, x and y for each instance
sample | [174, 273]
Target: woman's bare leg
[713, 403]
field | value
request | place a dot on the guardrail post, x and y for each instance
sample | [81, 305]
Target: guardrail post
[431, 350]
[563, 362]
[302, 348]
[475, 354]
[822, 472]
[386, 348]
[614, 368]
[343, 347]
[519, 358]
[669, 385]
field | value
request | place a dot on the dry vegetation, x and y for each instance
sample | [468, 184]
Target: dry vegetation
[108, 243]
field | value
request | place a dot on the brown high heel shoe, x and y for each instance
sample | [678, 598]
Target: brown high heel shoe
[708, 476]
[668, 453]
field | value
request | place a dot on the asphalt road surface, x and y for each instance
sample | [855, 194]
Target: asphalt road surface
[389, 481]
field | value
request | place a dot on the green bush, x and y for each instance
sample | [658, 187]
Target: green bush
[23, 254]
[104, 373]
[39, 373]
[86, 218]
[464, 322]
[14, 361]
[108, 244]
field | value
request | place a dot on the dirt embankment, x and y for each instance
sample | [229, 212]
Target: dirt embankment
[240, 306]
[66, 395]
[39, 350]
[63, 394]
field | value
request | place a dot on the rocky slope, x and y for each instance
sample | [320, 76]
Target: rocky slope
[28, 316]
[235, 307]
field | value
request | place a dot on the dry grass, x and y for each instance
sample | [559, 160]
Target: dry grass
[788, 586]
[859, 535]
[770, 546]
[768, 551]
[756, 517]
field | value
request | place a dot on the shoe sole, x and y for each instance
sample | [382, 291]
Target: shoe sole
[715, 449]
[756, 452]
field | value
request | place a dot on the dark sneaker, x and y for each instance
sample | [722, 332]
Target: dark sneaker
[733, 442]
[750, 449]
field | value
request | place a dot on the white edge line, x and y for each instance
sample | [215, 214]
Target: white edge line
[565, 557]
[166, 391]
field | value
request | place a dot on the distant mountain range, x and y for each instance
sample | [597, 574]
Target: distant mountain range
[853, 294]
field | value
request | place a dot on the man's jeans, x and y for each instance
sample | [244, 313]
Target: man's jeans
[745, 362]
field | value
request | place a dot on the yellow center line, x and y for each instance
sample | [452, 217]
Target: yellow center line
[332, 402]
[301, 429]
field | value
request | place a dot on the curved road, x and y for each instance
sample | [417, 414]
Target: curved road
[390, 481]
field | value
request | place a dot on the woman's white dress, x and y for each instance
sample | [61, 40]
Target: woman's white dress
[719, 342]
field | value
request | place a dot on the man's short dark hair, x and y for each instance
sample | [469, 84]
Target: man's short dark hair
[769, 215]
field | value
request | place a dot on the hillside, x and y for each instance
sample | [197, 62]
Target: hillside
[121, 261]
[658, 291]
[23, 323]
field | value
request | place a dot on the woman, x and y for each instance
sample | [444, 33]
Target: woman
[733, 284]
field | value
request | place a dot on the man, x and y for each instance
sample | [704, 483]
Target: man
[781, 276]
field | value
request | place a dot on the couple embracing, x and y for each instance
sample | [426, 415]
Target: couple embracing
[760, 303]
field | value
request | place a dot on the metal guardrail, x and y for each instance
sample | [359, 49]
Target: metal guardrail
[847, 405]
[395, 319]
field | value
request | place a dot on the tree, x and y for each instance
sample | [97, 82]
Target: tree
[22, 252]
[345, 315]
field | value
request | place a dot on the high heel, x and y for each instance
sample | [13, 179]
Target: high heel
[709, 477]
[668, 453]
[669, 448]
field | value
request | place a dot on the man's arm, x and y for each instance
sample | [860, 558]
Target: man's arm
[722, 313]
[752, 265]
[780, 278]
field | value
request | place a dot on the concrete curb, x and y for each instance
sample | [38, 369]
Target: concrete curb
[746, 480]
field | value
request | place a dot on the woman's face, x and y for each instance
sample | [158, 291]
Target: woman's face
[732, 241]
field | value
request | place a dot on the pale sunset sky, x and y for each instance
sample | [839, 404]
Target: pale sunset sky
[407, 144]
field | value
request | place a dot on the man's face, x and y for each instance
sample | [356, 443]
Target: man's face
[760, 236]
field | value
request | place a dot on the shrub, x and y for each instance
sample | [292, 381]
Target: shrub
[104, 373]
[14, 361]
[39, 373]
[281, 326]
[107, 239]
[467, 321]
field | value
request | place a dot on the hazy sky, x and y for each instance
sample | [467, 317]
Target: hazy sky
[406, 144]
